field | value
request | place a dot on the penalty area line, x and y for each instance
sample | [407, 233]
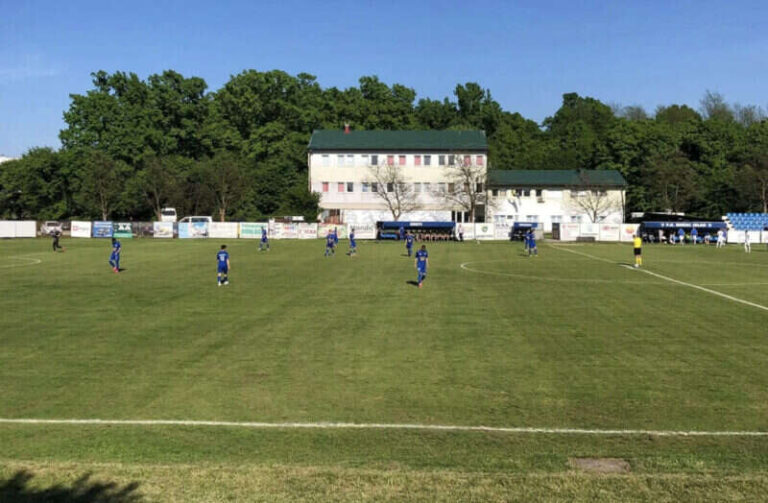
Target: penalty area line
[383, 426]
[671, 280]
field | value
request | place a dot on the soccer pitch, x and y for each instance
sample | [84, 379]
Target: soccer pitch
[335, 378]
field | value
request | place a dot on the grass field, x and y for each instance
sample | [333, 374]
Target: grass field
[571, 339]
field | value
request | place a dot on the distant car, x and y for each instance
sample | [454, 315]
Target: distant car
[50, 226]
[193, 220]
[168, 215]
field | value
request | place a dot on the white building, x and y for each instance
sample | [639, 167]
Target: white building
[5, 159]
[343, 167]
[555, 196]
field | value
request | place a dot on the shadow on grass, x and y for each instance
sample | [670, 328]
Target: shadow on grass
[412, 283]
[16, 489]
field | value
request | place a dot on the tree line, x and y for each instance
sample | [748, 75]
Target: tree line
[131, 146]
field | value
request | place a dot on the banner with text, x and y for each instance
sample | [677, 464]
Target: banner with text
[282, 230]
[483, 232]
[102, 229]
[162, 230]
[364, 231]
[323, 229]
[122, 230]
[252, 230]
[80, 229]
[628, 232]
[223, 230]
[193, 230]
[569, 231]
[307, 231]
[609, 232]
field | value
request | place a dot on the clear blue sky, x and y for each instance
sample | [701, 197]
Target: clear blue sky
[528, 53]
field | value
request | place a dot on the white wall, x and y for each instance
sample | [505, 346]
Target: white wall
[510, 207]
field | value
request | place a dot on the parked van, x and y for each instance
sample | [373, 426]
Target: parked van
[193, 220]
[168, 215]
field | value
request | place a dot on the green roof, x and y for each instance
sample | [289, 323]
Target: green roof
[556, 178]
[398, 140]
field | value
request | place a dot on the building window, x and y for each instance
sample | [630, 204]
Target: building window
[538, 192]
[374, 187]
[467, 160]
[326, 160]
[526, 192]
[390, 187]
[451, 188]
[451, 160]
[531, 218]
[340, 160]
[341, 187]
[390, 159]
[401, 160]
[350, 187]
[441, 187]
[576, 219]
[374, 160]
[364, 159]
[441, 160]
[427, 187]
[325, 186]
[479, 160]
[350, 159]
[417, 160]
[366, 186]
[417, 187]
[556, 219]
[427, 160]
[495, 193]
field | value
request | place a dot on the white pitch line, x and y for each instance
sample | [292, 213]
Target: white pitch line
[672, 280]
[698, 287]
[466, 267]
[34, 261]
[383, 426]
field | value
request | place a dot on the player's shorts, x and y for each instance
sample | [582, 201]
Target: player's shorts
[352, 244]
[223, 268]
[113, 256]
[638, 251]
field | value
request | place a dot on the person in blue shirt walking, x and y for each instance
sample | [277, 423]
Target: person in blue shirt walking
[264, 244]
[681, 236]
[222, 263]
[409, 243]
[335, 237]
[694, 235]
[352, 243]
[114, 258]
[422, 261]
[330, 244]
[401, 233]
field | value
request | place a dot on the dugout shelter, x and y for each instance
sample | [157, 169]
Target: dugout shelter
[435, 230]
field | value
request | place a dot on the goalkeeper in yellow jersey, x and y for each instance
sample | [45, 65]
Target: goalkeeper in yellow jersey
[638, 242]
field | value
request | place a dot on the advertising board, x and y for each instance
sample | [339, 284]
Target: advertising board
[102, 229]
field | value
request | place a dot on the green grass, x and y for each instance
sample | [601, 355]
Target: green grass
[559, 340]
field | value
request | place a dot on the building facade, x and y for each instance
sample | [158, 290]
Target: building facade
[555, 196]
[361, 174]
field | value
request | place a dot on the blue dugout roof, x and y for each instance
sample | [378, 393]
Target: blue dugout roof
[684, 225]
[411, 225]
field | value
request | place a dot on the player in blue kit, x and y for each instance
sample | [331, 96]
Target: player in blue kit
[401, 233]
[222, 263]
[409, 243]
[264, 244]
[421, 263]
[335, 237]
[114, 258]
[330, 244]
[530, 238]
[352, 243]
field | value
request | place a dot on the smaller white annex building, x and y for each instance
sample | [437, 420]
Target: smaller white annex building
[555, 196]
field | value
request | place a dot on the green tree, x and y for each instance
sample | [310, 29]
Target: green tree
[102, 183]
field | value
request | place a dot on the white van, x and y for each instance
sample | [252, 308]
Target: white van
[168, 215]
[193, 220]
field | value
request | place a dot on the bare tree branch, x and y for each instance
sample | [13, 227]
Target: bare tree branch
[466, 185]
[391, 187]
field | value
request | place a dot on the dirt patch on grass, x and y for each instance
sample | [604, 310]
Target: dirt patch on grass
[601, 465]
